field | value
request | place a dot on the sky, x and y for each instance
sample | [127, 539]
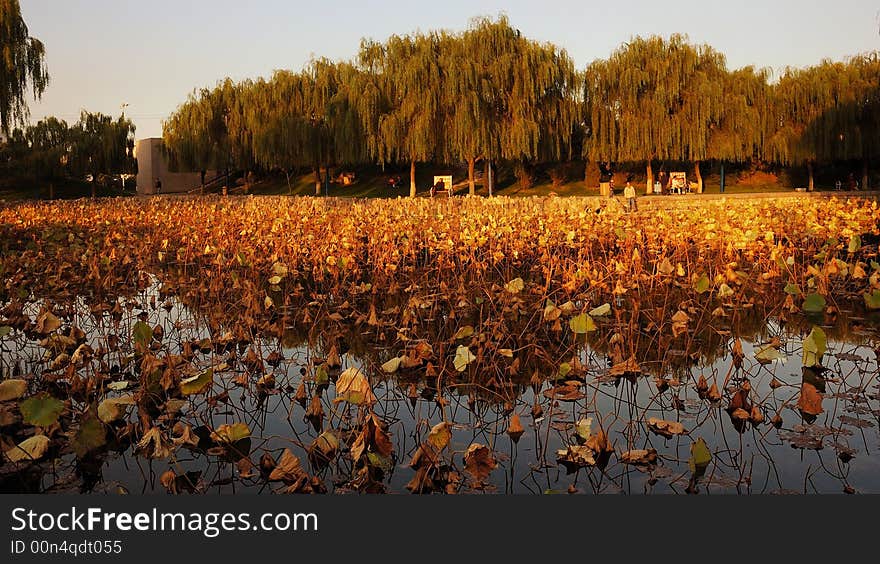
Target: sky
[150, 54]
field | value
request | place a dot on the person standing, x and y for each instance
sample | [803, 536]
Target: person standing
[629, 192]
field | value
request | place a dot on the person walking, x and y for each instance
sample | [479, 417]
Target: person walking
[629, 192]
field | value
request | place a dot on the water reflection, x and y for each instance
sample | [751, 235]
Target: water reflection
[769, 424]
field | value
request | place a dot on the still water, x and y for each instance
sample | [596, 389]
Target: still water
[270, 383]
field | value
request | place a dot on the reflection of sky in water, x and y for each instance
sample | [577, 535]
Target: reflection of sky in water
[758, 460]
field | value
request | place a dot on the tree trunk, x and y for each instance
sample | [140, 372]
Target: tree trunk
[412, 179]
[591, 174]
[487, 175]
[699, 177]
[810, 174]
[318, 180]
[93, 186]
[471, 185]
[51, 190]
[202, 185]
[247, 182]
[649, 188]
[865, 181]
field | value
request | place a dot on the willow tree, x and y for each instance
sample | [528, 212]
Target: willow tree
[827, 113]
[101, 145]
[238, 134]
[22, 65]
[196, 135]
[288, 121]
[209, 130]
[285, 134]
[507, 96]
[332, 125]
[867, 124]
[305, 119]
[48, 150]
[740, 133]
[817, 113]
[334, 107]
[658, 99]
[399, 95]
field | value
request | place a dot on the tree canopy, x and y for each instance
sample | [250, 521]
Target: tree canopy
[490, 93]
[304, 119]
[22, 65]
[400, 98]
[487, 92]
[97, 144]
[100, 144]
[671, 100]
[826, 112]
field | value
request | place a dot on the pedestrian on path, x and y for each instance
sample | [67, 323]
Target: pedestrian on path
[629, 192]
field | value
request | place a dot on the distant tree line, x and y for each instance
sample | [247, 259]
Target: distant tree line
[490, 94]
[486, 93]
[94, 147]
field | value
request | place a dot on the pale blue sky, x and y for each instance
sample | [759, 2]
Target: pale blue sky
[152, 53]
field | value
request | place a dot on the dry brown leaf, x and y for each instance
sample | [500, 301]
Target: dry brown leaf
[315, 410]
[353, 387]
[639, 456]
[333, 360]
[372, 437]
[184, 436]
[576, 455]
[439, 436]
[168, 479]
[740, 399]
[288, 469]
[155, 444]
[564, 392]
[665, 428]
[702, 385]
[32, 448]
[599, 443]
[479, 461]
[810, 401]
[12, 389]
[47, 322]
[713, 394]
[756, 416]
[515, 429]
[627, 367]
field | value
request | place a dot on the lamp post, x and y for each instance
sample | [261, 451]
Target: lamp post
[123, 175]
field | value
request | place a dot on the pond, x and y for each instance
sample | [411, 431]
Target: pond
[519, 431]
[470, 345]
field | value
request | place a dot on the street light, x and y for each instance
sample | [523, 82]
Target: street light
[123, 175]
